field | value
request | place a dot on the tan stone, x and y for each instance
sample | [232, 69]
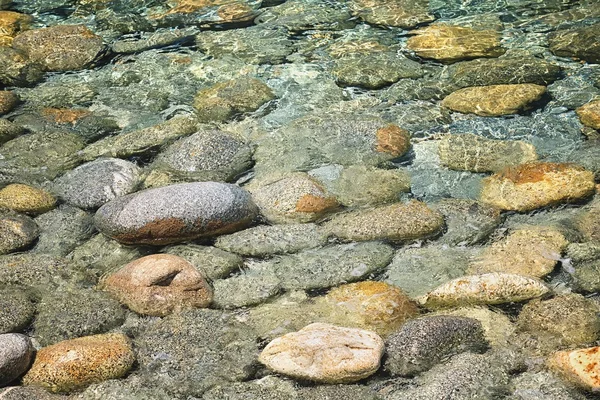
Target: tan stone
[227, 10]
[398, 221]
[11, 23]
[325, 353]
[74, 364]
[581, 367]
[8, 101]
[589, 114]
[588, 221]
[158, 285]
[26, 199]
[534, 185]
[60, 47]
[64, 115]
[494, 100]
[493, 288]
[375, 306]
[532, 251]
[291, 197]
[405, 14]
[393, 140]
[449, 43]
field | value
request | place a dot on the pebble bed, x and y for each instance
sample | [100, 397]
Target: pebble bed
[299, 199]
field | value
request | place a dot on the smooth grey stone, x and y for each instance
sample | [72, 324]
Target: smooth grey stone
[16, 353]
[16, 309]
[16, 232]
[63, 229]
[214, 262]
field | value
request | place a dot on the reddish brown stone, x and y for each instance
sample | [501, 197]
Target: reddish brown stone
[158, 285]
[64, 115]
[393, 140]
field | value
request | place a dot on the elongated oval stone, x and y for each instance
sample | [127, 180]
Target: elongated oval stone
[176, 213]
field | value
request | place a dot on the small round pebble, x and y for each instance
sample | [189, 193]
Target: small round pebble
[26, 199]
[16, 232]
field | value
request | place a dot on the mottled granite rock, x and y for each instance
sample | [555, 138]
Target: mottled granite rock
[579, 367]
[473, 153]
[16, 69]
[9, 130]
[325, 353]
[467, 221]
[76, 363]
[63, 229]
[450, 43]
[94, 184]
[398, 222]
[302, 15]
[213, 262]
[16, 352]
[16, 309]
[26, 199]
[424, 342]
[176, 213]
[16, 232]
[494, 100]
[61, 47]
[8, 101]
[581, 43]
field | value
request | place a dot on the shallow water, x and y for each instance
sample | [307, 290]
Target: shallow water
[423, 170]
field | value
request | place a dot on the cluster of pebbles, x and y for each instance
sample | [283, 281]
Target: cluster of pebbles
[301, 199]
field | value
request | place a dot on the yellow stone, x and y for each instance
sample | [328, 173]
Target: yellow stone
[589, 114]
[26, 199]
[11, 23]
[494, 100]
[449, 43]
[375, 306]
[581, 366]
[531, 251]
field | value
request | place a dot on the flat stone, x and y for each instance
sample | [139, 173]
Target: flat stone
[8, 101]
[467, 221]
[94, 184]
[16, 353]
[17, 70]
[359, 185]
[503, 71]
[371, 305]
[424, 342]
[74, 364]
[304, 15]
[9, 130]
[492, 288]
[207, 155]
[530, 385]
[214, 263]
[398, 222]
[244, 290]
[176, 213]
[60, 47]
[589, 114]
[587, 222]
[39, 271]
[325, 353]
[290, 198]
[72, 225]
[225, 100]
[68, 314]
[581, 43]
[535, 185]
[531, 251]
[215, 12]
[16, 232]
[494, 100]
[140, 141]
[26, 199]
[474, 153]
[585, 258]
[579, 367]
[267, 240]
[450, 43]
[16, 309]
[158, 285]
[404, 14]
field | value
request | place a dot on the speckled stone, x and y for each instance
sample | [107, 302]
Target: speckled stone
[494, 100]
[534, 185]
[176, 213]
[467, 221]
[74, 364]
[60, 47]
[16, 352]
[375, 306]
[227, 99]
[207, 155]
[404, 14]
[63, 229]
[16, 69]
[244, 290]
[532, 251]
[579, 367]
[477, 154]
[213, 262]
[8, 101]
[11, 23]
[158, 285]
[95, 183]
[267, 240]
[565, 320]
[305, 15]
[16, 309]
[325, 353]
[9, 130]
[589, 114]
[16, 232]
[581, 43]
[450, 43]
[291, 198]
[588, 221]
[398, 222]
[424, 342]
[26, 199]
[492, 288]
